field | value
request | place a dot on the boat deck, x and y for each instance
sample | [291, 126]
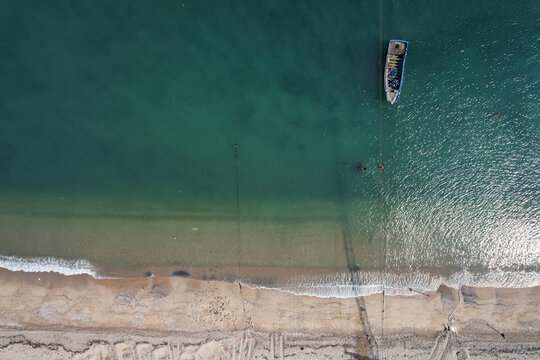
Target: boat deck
[396, 48]
[395, 62]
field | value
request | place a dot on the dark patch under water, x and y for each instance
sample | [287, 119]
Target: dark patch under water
[180, 273]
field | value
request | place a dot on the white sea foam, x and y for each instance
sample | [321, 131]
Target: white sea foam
[48, 264]
[362, 284]
[337, 285]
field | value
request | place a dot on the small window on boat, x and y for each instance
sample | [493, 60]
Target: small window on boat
[397, 46]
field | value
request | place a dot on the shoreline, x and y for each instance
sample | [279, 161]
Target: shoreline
[158, 309]
[318, 282]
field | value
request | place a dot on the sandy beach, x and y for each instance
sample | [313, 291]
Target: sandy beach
[47, 315]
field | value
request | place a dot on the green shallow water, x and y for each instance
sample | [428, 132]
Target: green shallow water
[118, 120]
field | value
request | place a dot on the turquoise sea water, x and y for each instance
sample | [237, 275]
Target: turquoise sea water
[118, 120]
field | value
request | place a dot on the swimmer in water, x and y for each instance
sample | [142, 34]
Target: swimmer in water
[361, 167]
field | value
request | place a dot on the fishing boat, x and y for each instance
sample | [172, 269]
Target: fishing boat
[394, 68]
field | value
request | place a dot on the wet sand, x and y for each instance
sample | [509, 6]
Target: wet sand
[186, 316]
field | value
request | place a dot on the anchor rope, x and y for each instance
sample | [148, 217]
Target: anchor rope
[237, 178]
[381, 69]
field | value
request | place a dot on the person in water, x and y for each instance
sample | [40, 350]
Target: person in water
[361, 167]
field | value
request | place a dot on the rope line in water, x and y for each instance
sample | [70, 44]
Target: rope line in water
[237, 174]
[237, 178]
[381, 92]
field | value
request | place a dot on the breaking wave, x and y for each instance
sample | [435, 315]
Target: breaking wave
[337, 285]
[49, 264]
[362, 284]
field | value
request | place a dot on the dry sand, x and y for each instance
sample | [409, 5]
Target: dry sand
[46, 315]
